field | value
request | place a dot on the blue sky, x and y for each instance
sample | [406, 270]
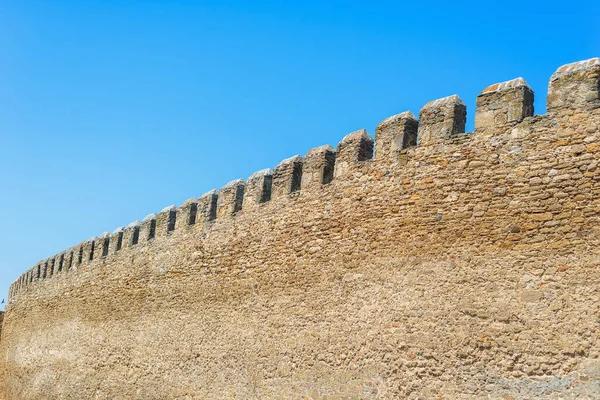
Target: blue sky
[111, 110]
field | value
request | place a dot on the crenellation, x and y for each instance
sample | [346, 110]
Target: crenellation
[352, 149]
[207, 206]
[44, 269]
[186, 214]
[503, 103]
[60, 262]
[166, 220]
[287, 176]
[89, 248]
[258, 188]
[318, 167]
[231, 198]
[78, 255]
[101, 246]
[50, 262]
[116, 240]
[68, 263]
[441, 119]
[376, 253]
[148, 228]
[131, 235]
[394, 134]
[575, 87]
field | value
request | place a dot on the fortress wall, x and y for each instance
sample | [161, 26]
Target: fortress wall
[465, 266]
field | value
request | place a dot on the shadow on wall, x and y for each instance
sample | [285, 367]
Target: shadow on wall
[573, 88]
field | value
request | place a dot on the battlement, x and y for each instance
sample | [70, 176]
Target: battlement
[429, 262]
[501, 107]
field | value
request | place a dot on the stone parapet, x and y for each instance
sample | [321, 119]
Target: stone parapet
[503, 103]
[441, 119]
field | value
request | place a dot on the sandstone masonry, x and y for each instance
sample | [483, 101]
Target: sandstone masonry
[427, 263]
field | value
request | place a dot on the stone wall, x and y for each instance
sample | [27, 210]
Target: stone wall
[467, 266]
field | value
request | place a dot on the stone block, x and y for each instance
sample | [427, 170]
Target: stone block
[89, 248]
[258, 188]
[441, 119]
[131, 235]
[102, 245]
[395, 133]
[116, 240]
[318, 167]
[186, 214]
[352, 149]
[68, 262]
[148, 228]
[207, 206]
[504, 103]
[165, 220]
[59, 261]
[231, 198]
[575, 87]
[287, 177]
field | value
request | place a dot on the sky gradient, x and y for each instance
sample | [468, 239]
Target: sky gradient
[111, 110]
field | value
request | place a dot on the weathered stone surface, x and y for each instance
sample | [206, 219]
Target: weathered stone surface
[131, 236]
[148, 228]
[165, 220]
[116, 240]
[318, 167]
[351, 151]
[258, 188]
[207, 206]
[287, 176]
[231, 198]
[503, 103]
[187, 214]
[394, 134]
[102, 244]
[463, 270]
[89, 247]
[441, 119]
[575, 86]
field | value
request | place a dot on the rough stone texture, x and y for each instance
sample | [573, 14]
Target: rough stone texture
[352, 149]
[165, 220]
[503, 103]
[465, 269]
[102, 244]
[575, 86]
[231, 198]
[89, 248]
[258, 188]
[207, 206]
[187, 214]
[147, 228]
[441, 119]
[67, 266]
[394, 134]
[287, 177]
[116, 240]
[318, 167]
[131, 236]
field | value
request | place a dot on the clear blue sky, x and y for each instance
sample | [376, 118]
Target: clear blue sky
[110, 110]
